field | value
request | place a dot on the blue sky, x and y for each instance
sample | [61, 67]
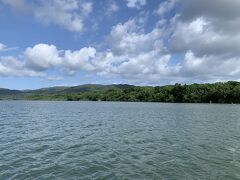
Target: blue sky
[141, 42]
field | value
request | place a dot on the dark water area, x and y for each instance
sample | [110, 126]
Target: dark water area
[115, 140]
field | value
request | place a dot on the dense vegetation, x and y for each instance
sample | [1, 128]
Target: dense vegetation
[228, 92]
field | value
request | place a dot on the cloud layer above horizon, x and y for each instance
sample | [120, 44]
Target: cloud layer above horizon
[140, 42]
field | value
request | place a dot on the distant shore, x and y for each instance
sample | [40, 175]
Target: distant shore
[221, 92]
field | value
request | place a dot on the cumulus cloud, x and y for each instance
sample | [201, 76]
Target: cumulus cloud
[37, 60]
[10, 66]
[42, 57]
[196, 41]
[203, 35]
[207, 34]
[136, 3]
[132, 54]
[135, 55]
[212, 67]
[207, 27]
[79, 60]
[68, 14]
[129, 38]
[200, 36]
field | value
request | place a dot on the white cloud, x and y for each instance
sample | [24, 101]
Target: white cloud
[2, 47]
[42, 57]
[207, 27]
[68, 14]
[132, 54]
[79, 60]
[112, 8]
[10, 66]
[208, 55]
[165, 7]
[129, 39]
[136, 3]
[207, 34]
[37, 60]
[212, 68]
[135, 55]
[200, 42]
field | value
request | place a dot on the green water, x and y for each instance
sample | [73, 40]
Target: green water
[108, 140]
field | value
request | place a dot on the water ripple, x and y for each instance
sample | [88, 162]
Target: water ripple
[106, 140]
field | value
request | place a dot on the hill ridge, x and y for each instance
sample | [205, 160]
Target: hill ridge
[220, 92]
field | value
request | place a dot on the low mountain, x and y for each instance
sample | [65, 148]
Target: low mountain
[59, 90]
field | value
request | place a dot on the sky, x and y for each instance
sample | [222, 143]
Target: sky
[48, 43]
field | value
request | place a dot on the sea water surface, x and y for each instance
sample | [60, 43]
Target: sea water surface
[116, 140]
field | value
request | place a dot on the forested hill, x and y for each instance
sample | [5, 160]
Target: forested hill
[228, 92]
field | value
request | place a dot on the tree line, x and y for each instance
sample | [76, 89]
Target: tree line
[228, 92]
